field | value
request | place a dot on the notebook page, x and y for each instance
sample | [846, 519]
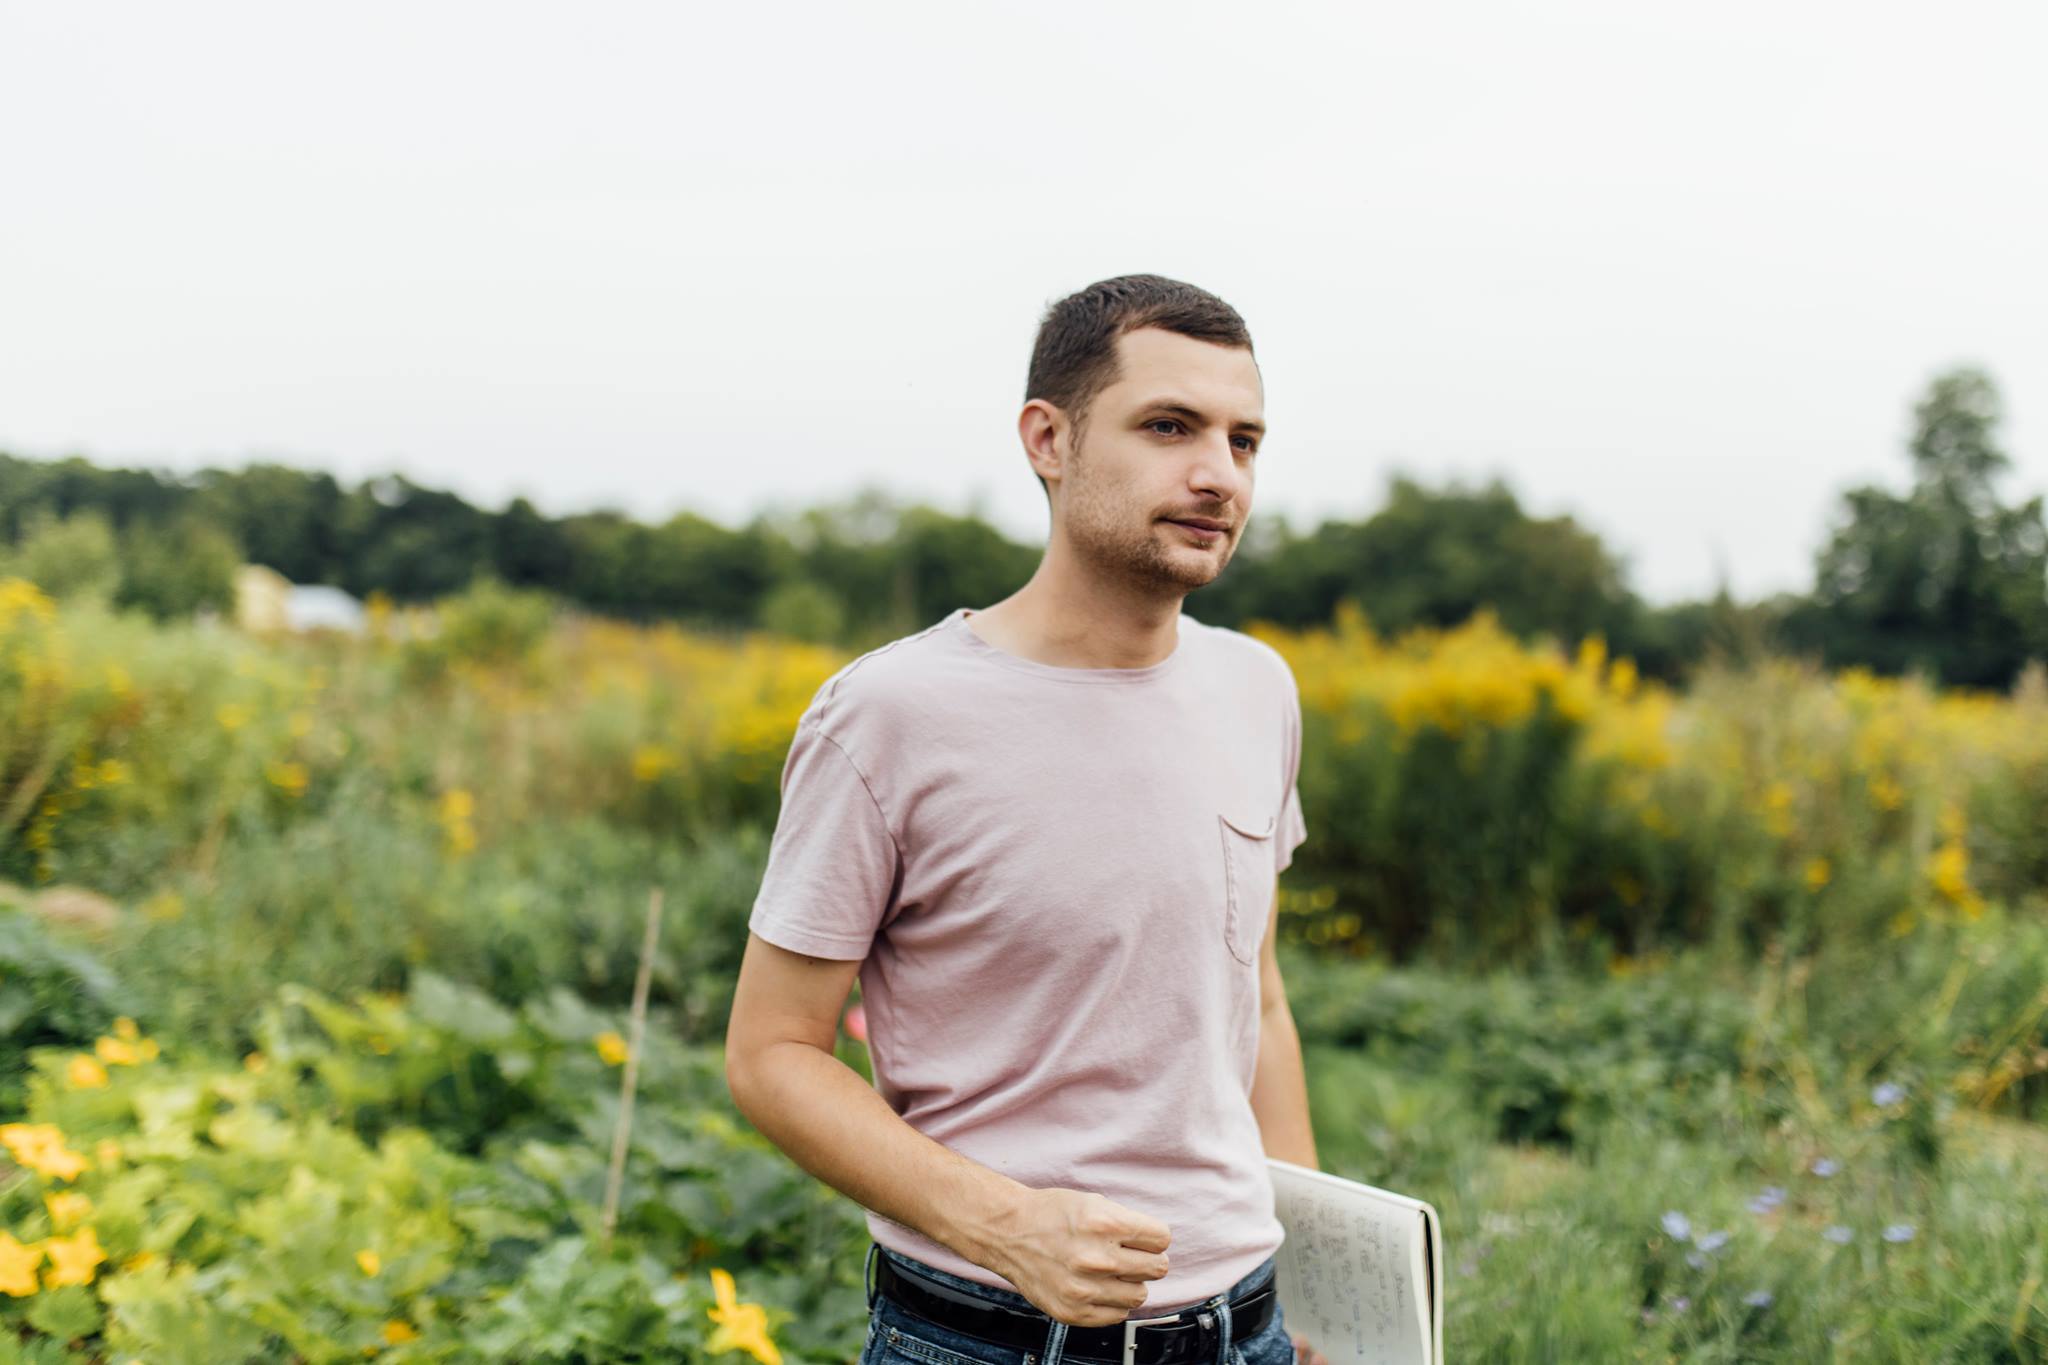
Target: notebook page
[1345, 1272]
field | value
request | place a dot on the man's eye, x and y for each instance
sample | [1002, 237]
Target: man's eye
[1162, 422]
[1251, 445]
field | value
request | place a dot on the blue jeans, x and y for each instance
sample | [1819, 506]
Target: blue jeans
[896, 1336]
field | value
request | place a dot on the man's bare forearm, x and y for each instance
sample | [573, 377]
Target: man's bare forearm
[832, 1123]
[1280, 1090]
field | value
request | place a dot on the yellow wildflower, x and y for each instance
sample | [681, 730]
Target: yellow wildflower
[254, 1061]
[288, 777]
[67, 1207]
[18, 1262]
[124, 1029]
[612, 1048]
[85, 1073]
[650, 761]
[113, 772]
[141, 1260]
[1949, 870]
[370, 1261]
[27, 1139]
[455, 809]
[54, 1160]
[18, 596]
[398, 1330]
[742, 1326]
[73, 1258]
[107, 1151]
[116, 1051]
[232, 716]
[1818, 872]
[164, 905]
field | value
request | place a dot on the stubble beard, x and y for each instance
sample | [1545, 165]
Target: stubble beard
[1103, 530]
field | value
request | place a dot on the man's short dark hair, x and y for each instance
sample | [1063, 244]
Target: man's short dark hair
[1074, 358]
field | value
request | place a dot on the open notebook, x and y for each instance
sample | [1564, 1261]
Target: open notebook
[1361, 1273]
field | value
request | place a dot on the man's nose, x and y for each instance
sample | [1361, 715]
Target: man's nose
[1216, 470]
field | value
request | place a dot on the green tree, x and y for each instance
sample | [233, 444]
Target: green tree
[179, 568]
[1945, 579]
[72, 558]
[1432, 558]
[289, 519]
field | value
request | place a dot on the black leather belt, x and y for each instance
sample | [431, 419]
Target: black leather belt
[1193, 1334]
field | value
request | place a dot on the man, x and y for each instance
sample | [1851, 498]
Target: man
[1046, 834]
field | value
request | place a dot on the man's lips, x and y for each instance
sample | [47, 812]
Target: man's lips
[1201, 523]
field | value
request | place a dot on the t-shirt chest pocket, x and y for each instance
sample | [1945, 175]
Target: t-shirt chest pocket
[1247, 881]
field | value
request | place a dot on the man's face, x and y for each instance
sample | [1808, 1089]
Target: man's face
[1174, 439]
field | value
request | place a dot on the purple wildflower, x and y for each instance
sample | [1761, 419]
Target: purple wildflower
[1838, 1233]
[1899, 1232]
[1758, 1298]
[1891, 1092]
[1825, 1166]
[1677, 1224]
[1712, 1241]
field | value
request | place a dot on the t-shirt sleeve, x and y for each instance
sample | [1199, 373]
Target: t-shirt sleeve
[1293, 830]
[832, 862]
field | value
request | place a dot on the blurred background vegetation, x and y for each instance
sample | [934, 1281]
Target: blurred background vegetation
[1692, 960]
[1946, 578]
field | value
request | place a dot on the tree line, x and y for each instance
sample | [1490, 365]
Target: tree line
[1944, 578]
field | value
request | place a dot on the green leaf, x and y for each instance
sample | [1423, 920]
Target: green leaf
[66, 1312]
[467, 1013]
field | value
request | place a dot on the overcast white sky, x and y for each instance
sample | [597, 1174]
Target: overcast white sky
[1680, 272]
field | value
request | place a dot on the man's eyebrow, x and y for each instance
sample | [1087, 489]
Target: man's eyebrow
[1183, 410]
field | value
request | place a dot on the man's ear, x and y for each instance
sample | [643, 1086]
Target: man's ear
[1042, 428]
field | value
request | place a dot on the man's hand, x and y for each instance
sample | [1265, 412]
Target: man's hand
[1305, 1354]
[1081, 1257]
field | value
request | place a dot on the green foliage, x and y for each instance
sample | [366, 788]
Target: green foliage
[51, 993]
[1433, 558]
[423, 1175]
[1536, 1059]
[802, 610]
[487, 624]
[1946, 579]
[72, 558]
[178, 569]
[427, 1082]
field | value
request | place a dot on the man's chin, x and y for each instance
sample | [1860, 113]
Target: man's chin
[1191, 574]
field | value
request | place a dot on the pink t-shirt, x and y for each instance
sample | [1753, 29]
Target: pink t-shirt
[1059, 879]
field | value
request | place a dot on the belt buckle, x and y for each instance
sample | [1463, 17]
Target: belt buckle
[1131, 1326]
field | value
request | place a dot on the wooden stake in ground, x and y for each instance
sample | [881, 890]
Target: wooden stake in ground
[623, 1129]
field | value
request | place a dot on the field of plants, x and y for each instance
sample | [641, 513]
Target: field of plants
[1714, 1023]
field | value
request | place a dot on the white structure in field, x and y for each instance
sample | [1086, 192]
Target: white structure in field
[266, 600]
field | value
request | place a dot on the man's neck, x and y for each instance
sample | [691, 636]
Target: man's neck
[1080, 630]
